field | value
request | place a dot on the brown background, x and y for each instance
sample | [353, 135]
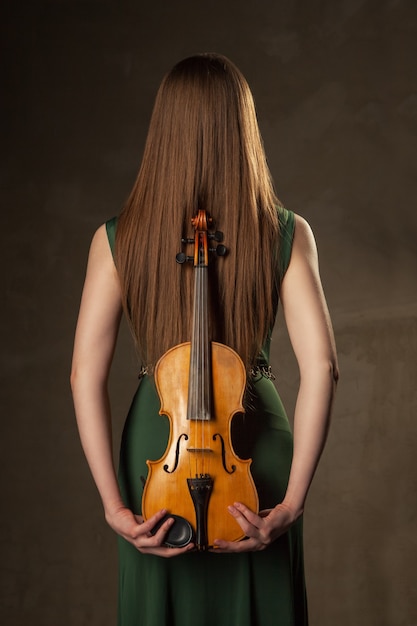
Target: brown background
[336, 91]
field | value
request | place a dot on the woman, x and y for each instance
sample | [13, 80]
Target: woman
[204, 151]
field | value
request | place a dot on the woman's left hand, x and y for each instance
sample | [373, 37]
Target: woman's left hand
[260, 529]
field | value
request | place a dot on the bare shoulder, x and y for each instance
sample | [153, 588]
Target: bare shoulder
[100, 241]
[100, 254]
[304, 241]
[101, 270]
[304, 256]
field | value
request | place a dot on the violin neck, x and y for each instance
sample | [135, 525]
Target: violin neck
[199, 386]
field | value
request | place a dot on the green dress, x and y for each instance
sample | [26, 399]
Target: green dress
[263, 588]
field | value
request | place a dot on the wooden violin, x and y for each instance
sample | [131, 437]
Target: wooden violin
[201, 385]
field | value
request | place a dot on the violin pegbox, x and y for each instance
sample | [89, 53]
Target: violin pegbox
[200, 223]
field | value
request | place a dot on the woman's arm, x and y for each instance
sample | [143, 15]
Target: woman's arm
[311, 336]
[312, 339]
[95, 340]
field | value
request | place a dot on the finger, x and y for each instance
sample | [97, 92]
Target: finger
[146, 526]
[247, 545]
[249, 528]
[252, 517]
[166, 552]
[162, 531]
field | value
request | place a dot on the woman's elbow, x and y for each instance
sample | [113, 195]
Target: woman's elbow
[74, 379]
[325, 369]
[80, 377]
[334, 370]
[331, 368]
[88, 376]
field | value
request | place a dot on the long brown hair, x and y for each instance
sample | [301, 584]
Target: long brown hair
[203, 151]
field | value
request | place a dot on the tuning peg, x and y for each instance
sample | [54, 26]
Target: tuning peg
[219, 250]
[182, 258]
[187, 240]
[217, 236]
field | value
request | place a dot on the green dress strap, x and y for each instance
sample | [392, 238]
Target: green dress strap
[111, 226]
[286, 221]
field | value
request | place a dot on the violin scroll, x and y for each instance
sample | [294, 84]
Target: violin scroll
[200, 223]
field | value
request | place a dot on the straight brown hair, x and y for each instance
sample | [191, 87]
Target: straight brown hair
[203, 151]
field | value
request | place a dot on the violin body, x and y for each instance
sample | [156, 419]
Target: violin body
[198, 447]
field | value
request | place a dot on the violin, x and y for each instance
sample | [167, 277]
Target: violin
[200, 385]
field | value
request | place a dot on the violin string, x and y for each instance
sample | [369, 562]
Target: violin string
[198, 370]
[199, 410]
[202, 370]
[192, 381]
[207, 368]
[200, 390]
[198, 407]
[204, 364]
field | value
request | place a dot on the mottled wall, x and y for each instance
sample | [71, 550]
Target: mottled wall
[336, 90]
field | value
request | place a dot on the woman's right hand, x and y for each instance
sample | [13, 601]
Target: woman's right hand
[134, 529]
